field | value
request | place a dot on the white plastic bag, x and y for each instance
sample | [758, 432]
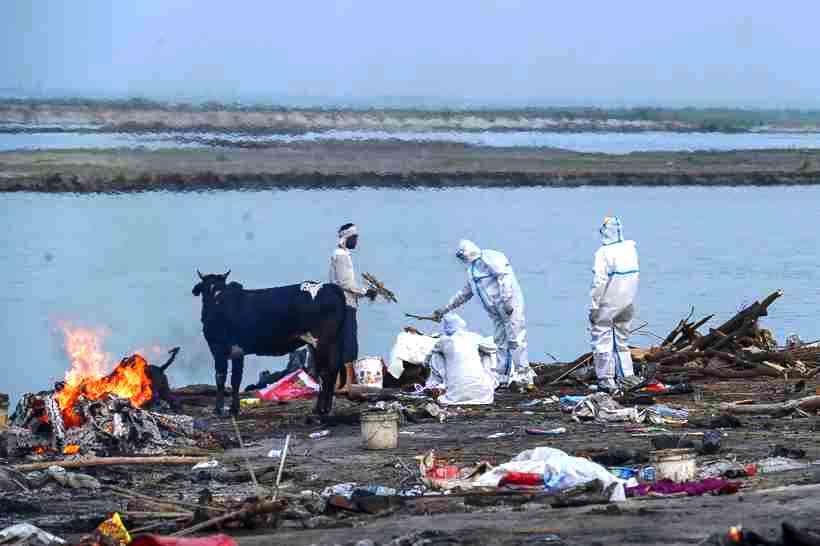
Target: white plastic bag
[560, 471]
[409, 347]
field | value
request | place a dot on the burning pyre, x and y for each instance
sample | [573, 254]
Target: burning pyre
[94, 412]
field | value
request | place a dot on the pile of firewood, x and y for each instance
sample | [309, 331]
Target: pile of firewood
[738, 348]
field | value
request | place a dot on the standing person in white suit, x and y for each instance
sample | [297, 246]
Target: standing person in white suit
[491, 277]
[614, 287]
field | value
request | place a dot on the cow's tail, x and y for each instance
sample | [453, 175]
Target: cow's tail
[173, 352]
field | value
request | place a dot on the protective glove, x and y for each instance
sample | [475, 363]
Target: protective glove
[437, 314]
[593, 316]
[509, 309]
[371, 294]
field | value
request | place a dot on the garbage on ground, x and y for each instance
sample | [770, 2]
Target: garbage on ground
[319, 434]
[536, 431]
[557, 471]
[601, 407]
[25, 533]
[548, 401]
[789, 453]
[73, 480]
[738, 536]
[725, 468]
[770, 465]
[497, 435]
[294, 386]
[114, 530]
[716, 486]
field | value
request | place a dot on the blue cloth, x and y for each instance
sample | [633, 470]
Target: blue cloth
[350, 336]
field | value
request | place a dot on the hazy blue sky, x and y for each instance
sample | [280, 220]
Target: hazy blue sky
[720, 52]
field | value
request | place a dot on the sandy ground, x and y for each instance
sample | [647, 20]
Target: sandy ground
[390, 164]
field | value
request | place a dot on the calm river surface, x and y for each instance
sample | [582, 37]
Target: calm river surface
[592, 142]
[127, 262]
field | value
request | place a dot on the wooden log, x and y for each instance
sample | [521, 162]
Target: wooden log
[754, 311]
[243, 513]
[111, 461]
[808, 404]
[155, 515]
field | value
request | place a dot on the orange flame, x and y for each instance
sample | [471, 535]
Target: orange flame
[71, 449]
[87, 374]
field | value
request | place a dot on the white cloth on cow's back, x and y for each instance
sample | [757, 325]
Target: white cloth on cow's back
[457, 366]
[412, 348]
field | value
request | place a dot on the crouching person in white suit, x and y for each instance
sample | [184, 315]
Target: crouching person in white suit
[463, 365]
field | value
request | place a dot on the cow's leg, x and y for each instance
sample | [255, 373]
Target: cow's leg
[237, 367]
[221, 369]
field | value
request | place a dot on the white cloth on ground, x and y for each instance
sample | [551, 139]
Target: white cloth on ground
[412, 348]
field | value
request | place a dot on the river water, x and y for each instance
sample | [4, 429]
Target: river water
[593, 142]
[127, 262]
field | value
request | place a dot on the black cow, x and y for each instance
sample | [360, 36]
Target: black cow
[271, 322]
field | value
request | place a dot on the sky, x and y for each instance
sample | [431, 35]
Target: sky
[750, 53]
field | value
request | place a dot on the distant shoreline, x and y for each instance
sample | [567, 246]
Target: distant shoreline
[400, 165]
[136, 115]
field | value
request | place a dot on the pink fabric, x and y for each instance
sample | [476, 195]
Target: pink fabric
[692, 489]
[157, 540]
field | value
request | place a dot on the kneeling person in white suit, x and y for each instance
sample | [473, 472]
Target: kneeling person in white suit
[457, 365]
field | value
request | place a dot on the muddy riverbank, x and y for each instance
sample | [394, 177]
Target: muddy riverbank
[467, 436]
[392, 164]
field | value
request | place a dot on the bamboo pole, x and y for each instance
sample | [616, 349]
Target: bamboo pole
[111, 461]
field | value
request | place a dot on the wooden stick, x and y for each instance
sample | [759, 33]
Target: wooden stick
[171, 502]
[244, 454]
[421, 317]
[156, 515]
[258, 508]
[281, 466]
[809, 403]
[110, 461]
[572, 369]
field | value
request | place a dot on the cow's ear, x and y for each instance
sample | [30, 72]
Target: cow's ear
[197, 290]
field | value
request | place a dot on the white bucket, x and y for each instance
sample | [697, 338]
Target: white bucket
[369, 371]
[677, 465]
[380, 430]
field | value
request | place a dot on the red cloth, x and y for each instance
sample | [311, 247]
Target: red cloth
[522, 478]
[157, 540]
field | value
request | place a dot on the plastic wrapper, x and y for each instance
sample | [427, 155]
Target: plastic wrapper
[294, 386]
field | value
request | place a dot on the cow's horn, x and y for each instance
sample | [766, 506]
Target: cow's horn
[226, 274]
[200, 275]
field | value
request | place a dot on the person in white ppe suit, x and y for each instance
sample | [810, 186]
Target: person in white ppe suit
[614, 288]
[457, 365]
[491, 277]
